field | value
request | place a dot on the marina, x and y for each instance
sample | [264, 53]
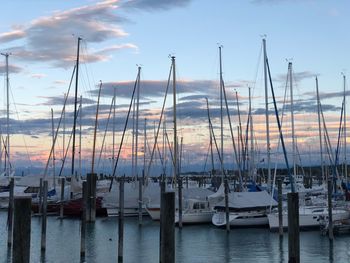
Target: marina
[127, 135]
[194, 243]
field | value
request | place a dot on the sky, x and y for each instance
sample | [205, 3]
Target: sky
[121, 35]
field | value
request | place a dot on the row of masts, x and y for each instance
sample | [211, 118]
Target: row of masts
[175, 151]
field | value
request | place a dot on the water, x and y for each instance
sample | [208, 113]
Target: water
[194, 244]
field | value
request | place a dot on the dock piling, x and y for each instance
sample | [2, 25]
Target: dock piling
[280, 215]
[121, 221]
[44, 217]
[10, 213]
[62, 197]
[168, 228]
[330, 216]
[21, 230]
[293, 228]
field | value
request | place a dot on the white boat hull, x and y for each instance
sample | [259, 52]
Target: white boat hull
[241, 219]
[195, 217]
[307, 219]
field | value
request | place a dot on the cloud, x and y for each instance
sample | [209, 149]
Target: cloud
[95, 23]
[12, 69]
[156, 88]
[38, 76]
[297, 76]
[13, 35]
[59, 100]
[151, 5]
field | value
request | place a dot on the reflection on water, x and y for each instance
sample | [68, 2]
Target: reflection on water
[194, 244]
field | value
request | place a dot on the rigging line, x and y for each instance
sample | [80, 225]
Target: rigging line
[105, 133]
[206, 157]
[123, 135]
[160, 121]
[21, 127]
[214, 138]
[232, 136]
[67, 149]
[291, 179]
[5, 149]
[59, 123]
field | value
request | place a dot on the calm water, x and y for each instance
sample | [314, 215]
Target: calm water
[195, 244]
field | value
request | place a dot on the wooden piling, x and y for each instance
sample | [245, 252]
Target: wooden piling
[227, 209]
[180, 201]
[293, 228]
[162, 191]
[140, 200]
[330, 216]
[121, 221]
[10, 213]
[62, 197]
[21, 230]
[40, 195]
[168, 229]
[280, 215]
[91, 201]
[83, 221]
[44, 217]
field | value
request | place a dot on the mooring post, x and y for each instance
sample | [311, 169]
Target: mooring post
[40, 195]
[21, 230]
[44, 217]
[91, 201]
[162, 191]
[227, 209]
[330, 216]
[180, 201]
[293, 228]
[280, 215]
[168, 228]
[83, 221]
[62, 197]
[140, 200]
[10, 213]
[121, 221]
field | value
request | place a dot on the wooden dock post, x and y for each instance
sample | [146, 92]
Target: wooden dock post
[44, 217]
[168, 229]
[162, 191]
[21, 230]
[280, 215]
[121, 221]
[40, 195]
[62, 197]
[293, 228]
[83, 221]
[227, 209]
[91, 200]
[179, 181]
[140, 200]
[10, 213]
[330, 216]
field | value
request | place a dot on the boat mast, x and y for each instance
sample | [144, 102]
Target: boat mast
[113, 134]
[137, 120]
[80, 132]
[75, 105]
[290, 70]
[53, 151]
[221, 115]
[95, 130]
[174, 117]
[210, 140]
[7, 141]
[319, 129]
[251, 136]
[345, 162]
[267, 118]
